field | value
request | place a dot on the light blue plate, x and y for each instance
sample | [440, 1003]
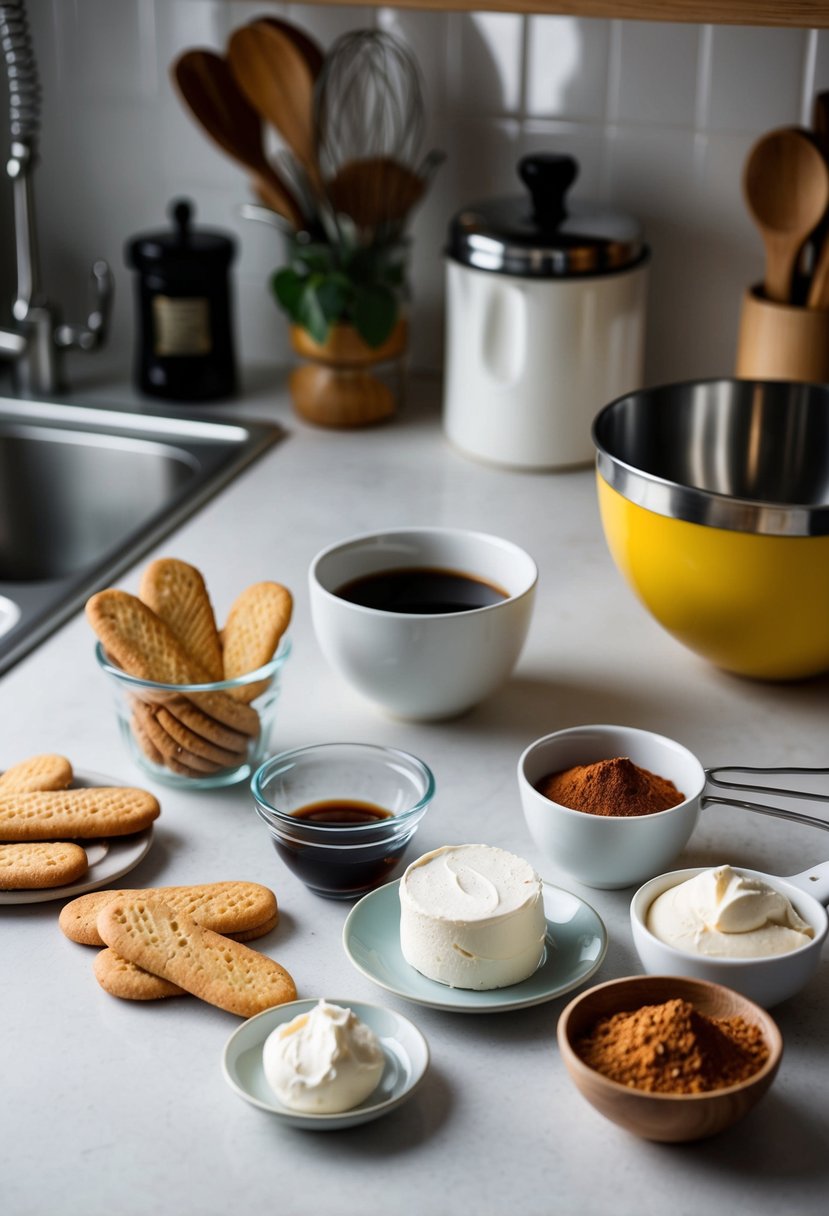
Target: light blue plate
[574, 949]
[405, 1049]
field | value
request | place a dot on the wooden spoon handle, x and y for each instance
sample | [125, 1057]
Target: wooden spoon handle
[271, 191]
[819, 287]
[276, 81]
[781, 259]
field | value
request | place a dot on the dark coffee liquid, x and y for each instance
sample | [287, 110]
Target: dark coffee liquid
[421, 589]
[339, 811]
[338, 872]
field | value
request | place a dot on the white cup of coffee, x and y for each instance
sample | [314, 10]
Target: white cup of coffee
[424, 622]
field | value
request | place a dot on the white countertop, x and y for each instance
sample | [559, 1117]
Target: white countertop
[115, 1107]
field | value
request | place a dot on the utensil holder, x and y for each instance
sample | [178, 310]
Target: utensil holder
[781, 341]
[344, 382]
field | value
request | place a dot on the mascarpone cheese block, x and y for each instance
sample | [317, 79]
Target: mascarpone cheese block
[472, 916]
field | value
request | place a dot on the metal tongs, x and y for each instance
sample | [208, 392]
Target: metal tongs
[715, 778]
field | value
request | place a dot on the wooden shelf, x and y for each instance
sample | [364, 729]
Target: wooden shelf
[803, 14]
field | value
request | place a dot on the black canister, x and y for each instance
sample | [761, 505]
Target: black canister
[184, 344]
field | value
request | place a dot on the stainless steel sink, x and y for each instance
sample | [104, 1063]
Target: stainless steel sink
[85, 491]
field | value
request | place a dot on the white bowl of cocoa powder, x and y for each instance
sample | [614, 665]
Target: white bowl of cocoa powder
[611, 806]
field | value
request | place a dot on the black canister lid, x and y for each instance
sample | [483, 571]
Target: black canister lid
[183, 246]
[540, 234]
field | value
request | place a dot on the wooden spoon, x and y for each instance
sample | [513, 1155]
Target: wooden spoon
[310, 50]
[208, 89]
[820, 121]
[375, 191]
[786, 187]
[277, 81]
[818, 296]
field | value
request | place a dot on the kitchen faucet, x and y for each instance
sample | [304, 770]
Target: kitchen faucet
[37, 339]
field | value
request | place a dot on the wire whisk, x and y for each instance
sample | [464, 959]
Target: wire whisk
[369, 121]
[368, 101]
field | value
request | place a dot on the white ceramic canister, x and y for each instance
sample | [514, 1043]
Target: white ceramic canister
[545, 321]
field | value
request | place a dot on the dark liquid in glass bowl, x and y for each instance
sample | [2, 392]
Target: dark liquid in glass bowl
[342, 873]
[421, 589]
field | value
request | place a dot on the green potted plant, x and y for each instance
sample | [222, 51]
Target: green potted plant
[331, 285]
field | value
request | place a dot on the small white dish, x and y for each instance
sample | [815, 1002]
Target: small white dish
[109, 859]
[766, 981]
[575, 947]
[405, 1049]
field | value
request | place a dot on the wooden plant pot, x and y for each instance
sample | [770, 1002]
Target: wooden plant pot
[344, 382]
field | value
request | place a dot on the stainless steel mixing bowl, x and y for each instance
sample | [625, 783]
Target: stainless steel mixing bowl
[714, 497]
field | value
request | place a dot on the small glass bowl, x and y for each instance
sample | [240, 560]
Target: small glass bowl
[172, 731]
[320, 806]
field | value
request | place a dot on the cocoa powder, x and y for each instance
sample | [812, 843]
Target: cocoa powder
[610, 787]
[674, 1049]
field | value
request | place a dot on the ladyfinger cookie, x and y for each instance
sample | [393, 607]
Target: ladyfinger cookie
[225, 907]
[208, 728]
[249, 935]
[38, 865]
[46, 772]
[145, 646]
[119, 977]
[76, 814]
[177, 594]
[139, 641]
[168, 747]
[193, 742]
[171, 944]
[144, 741]
[256, 622]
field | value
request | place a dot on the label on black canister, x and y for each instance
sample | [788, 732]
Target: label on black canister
[181, 325]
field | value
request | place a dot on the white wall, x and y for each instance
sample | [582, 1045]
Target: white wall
[660, 116]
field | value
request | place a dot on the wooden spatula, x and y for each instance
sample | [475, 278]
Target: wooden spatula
[208, 88]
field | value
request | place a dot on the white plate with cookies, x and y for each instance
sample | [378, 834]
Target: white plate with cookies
[404, 1047]
[84, 862]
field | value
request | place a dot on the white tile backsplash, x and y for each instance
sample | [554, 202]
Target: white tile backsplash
[107, 51]
[659, 116]
[656, 74]
[756, 77]
[486, 79]
[567, 67]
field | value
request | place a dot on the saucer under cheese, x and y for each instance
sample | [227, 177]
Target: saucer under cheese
[472, 916]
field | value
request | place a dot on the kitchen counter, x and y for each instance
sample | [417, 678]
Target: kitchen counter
[115, 1107]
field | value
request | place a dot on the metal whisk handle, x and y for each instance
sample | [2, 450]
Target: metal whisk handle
[715, 779]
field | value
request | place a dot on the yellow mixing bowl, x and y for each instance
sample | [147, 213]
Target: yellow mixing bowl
[714, 499]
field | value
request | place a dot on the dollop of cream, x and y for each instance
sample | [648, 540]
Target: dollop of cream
[324, 1061]
[723, 913]
[472, 916]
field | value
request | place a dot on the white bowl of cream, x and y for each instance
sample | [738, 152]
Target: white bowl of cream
[756, 933]
[324, 1061]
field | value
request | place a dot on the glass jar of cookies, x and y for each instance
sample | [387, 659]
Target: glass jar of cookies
[198, 736]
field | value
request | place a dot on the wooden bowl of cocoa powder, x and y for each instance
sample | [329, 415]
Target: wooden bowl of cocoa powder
[669, 1058]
